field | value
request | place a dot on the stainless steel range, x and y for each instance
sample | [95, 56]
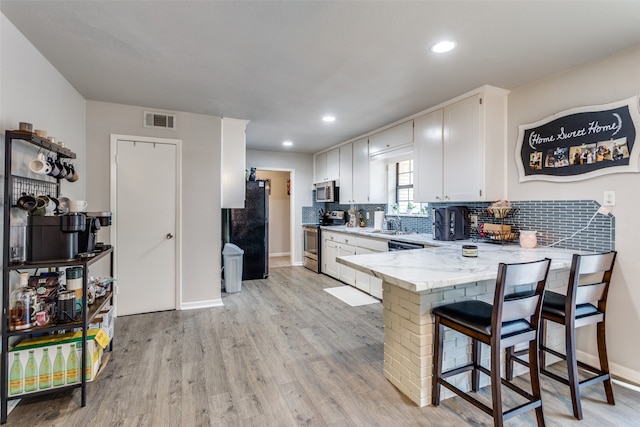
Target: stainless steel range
[313, 240]
[312, 258]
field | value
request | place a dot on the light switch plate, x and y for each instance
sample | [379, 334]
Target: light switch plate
[609, 198]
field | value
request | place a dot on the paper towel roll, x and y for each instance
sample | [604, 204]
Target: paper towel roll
[378, 220]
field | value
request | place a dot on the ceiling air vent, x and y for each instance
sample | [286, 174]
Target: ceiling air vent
[159, 120]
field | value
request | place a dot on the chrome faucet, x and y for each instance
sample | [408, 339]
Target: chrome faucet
[397, 223]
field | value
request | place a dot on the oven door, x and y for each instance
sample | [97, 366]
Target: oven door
[312, 248]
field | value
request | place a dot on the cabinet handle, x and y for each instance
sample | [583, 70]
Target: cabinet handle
[169, 236]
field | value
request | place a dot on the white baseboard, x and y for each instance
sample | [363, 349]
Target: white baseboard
[298, 264]
[279, 254]
[201, 304]
[620, 372]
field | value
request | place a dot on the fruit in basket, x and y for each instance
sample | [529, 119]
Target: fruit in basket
[499, 209]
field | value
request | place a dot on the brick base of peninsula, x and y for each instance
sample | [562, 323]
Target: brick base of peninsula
[416, 281]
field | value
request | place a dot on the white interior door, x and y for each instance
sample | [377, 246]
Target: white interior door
[145, 220]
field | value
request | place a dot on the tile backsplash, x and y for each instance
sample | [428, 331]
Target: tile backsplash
[554, 220]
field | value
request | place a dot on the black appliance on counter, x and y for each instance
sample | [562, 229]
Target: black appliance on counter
[54, 237]
[451, 223]
[248, 228]
[87, 239]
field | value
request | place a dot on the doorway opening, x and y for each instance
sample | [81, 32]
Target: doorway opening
[280, 215]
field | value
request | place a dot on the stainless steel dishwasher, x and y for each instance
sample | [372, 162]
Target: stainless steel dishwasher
[395, 245]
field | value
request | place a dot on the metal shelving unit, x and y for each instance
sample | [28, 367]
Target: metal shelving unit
[14, 186]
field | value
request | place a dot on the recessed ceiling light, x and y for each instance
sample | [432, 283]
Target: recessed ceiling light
[328, 119]
[287, 143]
[442, 47]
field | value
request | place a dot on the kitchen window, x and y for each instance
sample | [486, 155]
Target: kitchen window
[404, 189]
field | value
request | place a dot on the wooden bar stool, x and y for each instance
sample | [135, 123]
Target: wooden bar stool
[589, 281]
[504, 324]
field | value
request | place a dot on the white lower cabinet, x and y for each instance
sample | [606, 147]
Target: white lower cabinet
[342, 244]
[347, 274]
[330, 252]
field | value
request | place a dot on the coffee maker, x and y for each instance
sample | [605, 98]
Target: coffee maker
[53, 237]
[451, 223]
[87, 239]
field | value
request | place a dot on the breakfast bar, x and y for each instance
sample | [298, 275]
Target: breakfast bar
[415, 281]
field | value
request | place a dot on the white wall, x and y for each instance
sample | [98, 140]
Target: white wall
[301, 166]
[201, 239]
[279, 212]
[611, 79]
[33, 91]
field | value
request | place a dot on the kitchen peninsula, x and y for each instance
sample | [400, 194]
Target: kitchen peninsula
[415, 281]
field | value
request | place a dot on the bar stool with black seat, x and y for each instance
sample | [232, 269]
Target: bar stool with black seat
[589, 281]
[504, 324]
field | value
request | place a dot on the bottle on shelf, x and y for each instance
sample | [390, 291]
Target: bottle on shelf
[22, 303]
[45, 370]
[31, 373]
[88, 364]
[16, 384]
[58, 368]
[72, 366]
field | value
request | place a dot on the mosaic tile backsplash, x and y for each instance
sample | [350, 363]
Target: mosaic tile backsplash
[554, 220]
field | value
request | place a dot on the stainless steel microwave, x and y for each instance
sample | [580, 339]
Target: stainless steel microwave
[326, 191]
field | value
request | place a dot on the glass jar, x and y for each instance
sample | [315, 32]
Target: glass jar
[528, 239]
[23, 305]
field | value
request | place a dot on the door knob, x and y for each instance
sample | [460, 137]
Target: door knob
[169, 236]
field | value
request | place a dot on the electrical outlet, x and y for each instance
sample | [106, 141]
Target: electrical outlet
[474, 220]
[367, 215]
[609, 198]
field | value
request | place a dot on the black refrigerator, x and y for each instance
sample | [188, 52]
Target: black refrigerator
[248, 228]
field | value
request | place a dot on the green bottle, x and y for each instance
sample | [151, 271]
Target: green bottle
[45, 370]
[88, 366]
[58, 368]
[15, 377]
[72, 365]
[31, 373]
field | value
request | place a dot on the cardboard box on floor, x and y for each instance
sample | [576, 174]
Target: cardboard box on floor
[28, 374]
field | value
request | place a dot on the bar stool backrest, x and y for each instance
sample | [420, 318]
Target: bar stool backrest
[589, 280]
[521, 274]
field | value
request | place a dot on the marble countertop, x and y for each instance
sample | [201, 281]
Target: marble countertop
[444, 266]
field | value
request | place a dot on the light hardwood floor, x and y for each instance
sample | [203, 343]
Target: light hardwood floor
[280, 353]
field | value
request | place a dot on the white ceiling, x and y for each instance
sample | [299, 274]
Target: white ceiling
[283, 65]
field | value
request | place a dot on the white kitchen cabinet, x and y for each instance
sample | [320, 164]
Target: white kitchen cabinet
[371, 285]
[391, 138]
[327, 166]
[342, 244]
[427, 157]
[336, 245]
[466, 163]
[233, 164]
[347, 274]
[330, 252]
[359, 182]
[346, 174]
[366, 283]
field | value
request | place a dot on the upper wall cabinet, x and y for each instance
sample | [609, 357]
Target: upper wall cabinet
[233, 164]
[327, 166]
[346, 174]
[459, 150]
[391, 139]
[358, 184]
